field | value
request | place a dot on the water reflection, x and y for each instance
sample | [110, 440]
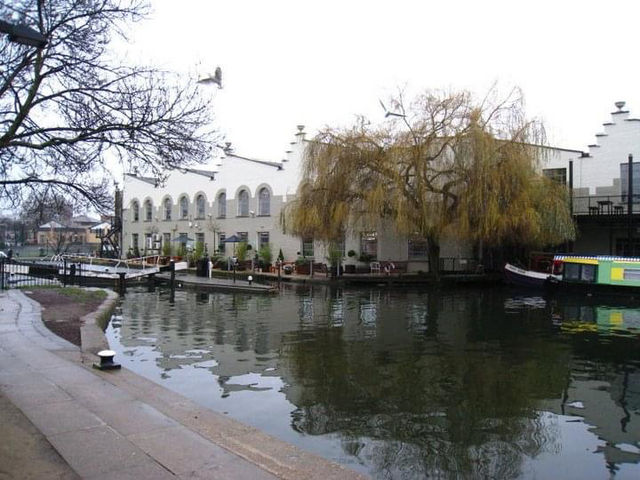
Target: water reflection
[408, 384]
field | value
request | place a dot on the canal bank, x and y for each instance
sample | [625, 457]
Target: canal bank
[261, 282]
[120, 425]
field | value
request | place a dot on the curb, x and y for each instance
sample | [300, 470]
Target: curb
[92, 338]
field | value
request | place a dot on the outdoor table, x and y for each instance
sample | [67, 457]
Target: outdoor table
[604, 206]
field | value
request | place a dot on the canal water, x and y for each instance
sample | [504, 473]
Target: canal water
[407, 383]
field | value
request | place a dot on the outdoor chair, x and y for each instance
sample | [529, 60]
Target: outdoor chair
[374, 267]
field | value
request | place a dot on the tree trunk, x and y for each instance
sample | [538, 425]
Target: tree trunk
[434, 258]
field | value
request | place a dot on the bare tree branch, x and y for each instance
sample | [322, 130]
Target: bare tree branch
[66, 109]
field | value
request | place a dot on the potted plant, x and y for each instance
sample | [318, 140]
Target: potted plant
[303, 266]
[166, 252]
[265, 256]
[181, 253]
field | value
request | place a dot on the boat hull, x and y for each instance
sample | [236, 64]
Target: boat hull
[524, 278]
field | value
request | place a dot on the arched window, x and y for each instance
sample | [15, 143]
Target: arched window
[243, 203]
[222, 205]
[184, 207]
[167, 209]
[200, 204]
[264, 202]
[135, 209]
[148, 211]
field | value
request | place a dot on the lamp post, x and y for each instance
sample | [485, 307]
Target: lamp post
[23, 34]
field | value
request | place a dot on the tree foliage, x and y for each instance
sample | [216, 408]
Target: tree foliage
[65, 108]
[442, 164]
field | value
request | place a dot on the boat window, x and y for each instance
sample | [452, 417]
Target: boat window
[580, 273]
[588, 273]
[631, 274]
[572, 271]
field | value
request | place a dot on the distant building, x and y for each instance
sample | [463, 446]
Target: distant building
[76, 233]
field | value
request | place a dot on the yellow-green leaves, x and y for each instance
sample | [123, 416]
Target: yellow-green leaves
[449, 165]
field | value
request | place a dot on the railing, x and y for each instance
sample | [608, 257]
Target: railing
[34, 272]
[459, 265]
[605, 205]
[127, 264]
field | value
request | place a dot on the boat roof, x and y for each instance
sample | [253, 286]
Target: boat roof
[594, 259]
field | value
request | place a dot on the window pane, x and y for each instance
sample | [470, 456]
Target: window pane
[369, 244]
[184, 207]
[136, 212]
[264, 205]
[243, 204]
[148, 211]
[222, 205]
[631, 274]
[263, 239]
[418, 249]
[200, 206]
[307, 247]
[588, 273]
[556, 174]
[624, 181]
[571, 271]
[221, 238]
[167, 209]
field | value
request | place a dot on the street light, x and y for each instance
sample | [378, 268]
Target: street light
[216, 78]
[23, 34]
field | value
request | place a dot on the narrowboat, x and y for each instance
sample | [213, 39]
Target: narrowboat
[597, 274]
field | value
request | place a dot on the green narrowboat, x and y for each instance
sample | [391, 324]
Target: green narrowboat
[598, 273]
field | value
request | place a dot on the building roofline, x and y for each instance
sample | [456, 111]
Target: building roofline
[205, 173]
[262, 162]
[149, 180]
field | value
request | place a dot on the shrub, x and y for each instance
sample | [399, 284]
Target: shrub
[265, 254]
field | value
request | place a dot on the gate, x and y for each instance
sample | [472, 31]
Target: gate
[30, 273]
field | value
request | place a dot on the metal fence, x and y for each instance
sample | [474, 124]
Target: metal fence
[18, 273]
[605, 205]
[459, 265]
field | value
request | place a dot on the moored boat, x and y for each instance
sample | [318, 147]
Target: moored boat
[598, 273]
[525, 278]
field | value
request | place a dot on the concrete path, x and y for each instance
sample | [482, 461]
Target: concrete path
[117, 425]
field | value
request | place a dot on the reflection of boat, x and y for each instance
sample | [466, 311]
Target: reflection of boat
[525, 278]
[598, 274]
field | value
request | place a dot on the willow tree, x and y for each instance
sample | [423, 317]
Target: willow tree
[442, 164]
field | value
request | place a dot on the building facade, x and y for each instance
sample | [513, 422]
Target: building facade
[245, 197]
[606, 205]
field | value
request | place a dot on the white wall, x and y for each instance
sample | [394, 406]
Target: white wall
[619, 138]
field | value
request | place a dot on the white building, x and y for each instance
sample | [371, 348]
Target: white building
[600, 187]
[237, 196]
[244, 197]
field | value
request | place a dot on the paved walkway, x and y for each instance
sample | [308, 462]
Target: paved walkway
[117, 425]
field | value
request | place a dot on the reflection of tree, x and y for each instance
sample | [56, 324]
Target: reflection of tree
[427, 408]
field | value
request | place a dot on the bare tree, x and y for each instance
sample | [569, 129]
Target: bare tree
[67, 107]
[47, 205]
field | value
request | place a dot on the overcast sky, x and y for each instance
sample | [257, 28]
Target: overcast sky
[320, 63]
